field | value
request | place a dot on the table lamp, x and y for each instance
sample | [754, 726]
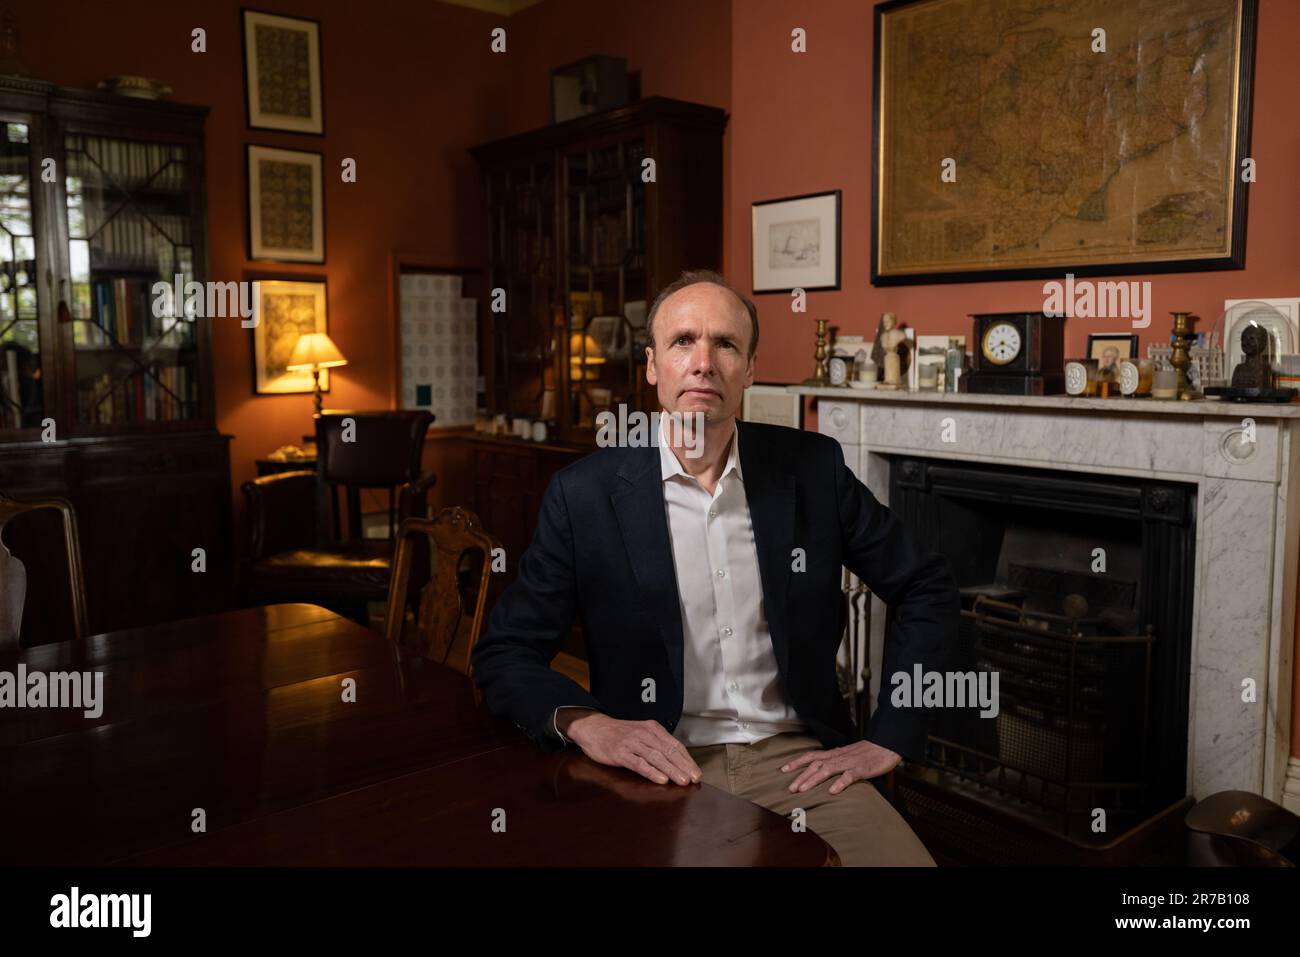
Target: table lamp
[585, 355]
[313, 352]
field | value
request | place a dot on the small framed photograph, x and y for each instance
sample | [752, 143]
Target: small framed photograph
[1108, 348]
[282, 73]
[796, 243]
[286, 206]
[286, 309]
[770, 403]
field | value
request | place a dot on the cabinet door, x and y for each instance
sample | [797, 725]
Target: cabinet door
[605, 270]
[131, 235]
[24, 333]
[521, 225]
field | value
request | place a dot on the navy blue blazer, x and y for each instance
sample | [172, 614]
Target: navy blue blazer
[601, 552]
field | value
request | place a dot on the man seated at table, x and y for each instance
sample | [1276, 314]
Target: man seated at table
[707, 576]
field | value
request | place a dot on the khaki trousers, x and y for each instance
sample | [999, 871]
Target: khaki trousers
[859, 822]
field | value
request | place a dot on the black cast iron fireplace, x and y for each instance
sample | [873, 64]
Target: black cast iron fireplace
[1077, 591]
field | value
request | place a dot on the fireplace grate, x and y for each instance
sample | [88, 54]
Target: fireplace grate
[1071, 729]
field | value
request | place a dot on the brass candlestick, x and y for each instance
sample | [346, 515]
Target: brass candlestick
[819, 376]
[1181, 359]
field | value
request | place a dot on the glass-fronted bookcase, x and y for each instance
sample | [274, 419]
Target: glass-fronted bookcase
[582, 233]
[106, 394]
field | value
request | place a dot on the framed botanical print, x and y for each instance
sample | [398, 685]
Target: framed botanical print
[286, 309]
[286, 206]
[1033, 139]
[282, 73]
[796, 243]
[773, 404]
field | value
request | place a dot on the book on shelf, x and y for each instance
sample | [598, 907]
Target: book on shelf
[159, 394]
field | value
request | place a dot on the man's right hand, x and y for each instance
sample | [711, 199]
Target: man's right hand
[640, 746]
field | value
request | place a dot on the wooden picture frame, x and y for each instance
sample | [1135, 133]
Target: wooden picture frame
[1017, 208]
[1125, 345]
[286, 205]
[282, 73]
[770, 403]
[282, 316]
[795, 243]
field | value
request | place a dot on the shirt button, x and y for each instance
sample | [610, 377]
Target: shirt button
[722, 573]
[735, 686]
[726, 632]
[744, 725]
[712, 513]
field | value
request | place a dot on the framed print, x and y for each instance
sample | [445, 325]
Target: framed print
[287, 309]
[769, 402]
[996, 157]
[796, 243]
[282, 73]
[286, 206]
[1109, 347]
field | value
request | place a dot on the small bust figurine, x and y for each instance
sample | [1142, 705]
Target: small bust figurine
[890, 351]
[1254, 370]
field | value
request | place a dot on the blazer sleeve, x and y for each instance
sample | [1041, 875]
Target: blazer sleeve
[920, 589]
[527, 628]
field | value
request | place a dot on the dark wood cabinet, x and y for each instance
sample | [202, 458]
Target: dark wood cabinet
[586, 221]
[106, 392]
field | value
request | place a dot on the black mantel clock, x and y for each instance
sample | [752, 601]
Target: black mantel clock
[1017, 353]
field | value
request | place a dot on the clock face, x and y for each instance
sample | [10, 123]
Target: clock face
[1001, 343]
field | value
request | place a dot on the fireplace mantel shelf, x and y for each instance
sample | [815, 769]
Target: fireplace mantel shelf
[1200, 407]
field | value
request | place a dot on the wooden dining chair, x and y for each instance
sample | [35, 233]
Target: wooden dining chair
[14, 574]
[449, 614]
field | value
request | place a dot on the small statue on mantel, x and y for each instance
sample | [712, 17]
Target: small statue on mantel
[891, 353]
[1254, 371]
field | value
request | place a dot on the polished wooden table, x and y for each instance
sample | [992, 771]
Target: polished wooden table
[242, 716]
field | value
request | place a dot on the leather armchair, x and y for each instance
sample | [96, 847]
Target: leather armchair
[296, 549]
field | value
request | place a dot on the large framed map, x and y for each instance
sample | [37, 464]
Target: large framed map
[1017, 140]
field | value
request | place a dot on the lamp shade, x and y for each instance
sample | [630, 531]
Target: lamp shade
[314, 350]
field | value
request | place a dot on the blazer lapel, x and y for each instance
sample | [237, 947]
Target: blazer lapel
[770, 492]
[639, 505]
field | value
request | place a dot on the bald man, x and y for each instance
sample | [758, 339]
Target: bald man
[705, 568]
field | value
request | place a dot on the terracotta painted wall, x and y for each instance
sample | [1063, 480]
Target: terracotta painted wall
[802, 124]
[405, 95]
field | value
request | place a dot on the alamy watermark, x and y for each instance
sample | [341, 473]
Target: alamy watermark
[57, 689]
[946, 689]
[1086, 299]
[635, 429]
[211, 300]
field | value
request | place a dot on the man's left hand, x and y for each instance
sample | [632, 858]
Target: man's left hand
[853, 762]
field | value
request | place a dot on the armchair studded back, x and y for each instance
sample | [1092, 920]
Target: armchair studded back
[451, 609]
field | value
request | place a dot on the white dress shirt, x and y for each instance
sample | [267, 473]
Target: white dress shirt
[733, 693]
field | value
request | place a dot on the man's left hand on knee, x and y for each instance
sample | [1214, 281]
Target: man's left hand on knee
[859, 761]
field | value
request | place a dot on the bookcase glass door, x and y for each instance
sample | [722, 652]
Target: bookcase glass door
[605, 206]
[521, 205]
[129, 228]
[21, 394]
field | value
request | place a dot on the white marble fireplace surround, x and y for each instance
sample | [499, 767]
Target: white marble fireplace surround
[1247, 529]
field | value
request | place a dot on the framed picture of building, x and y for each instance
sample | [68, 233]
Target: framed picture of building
[286, 205]
[282, 73]
[796, 243]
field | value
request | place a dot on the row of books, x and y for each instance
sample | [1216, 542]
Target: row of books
[161, 165]
[160, 395]
[132, 240]
[123, 309]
